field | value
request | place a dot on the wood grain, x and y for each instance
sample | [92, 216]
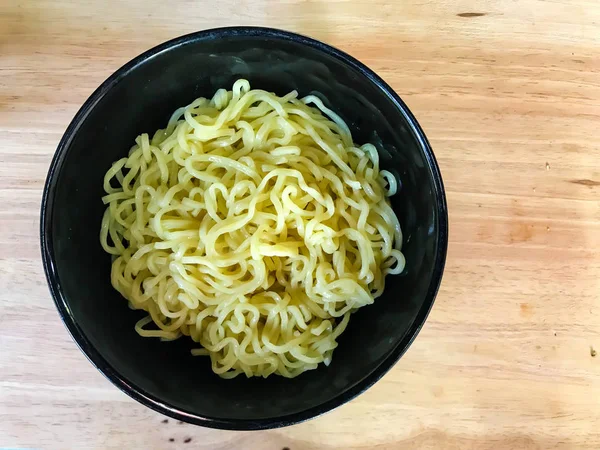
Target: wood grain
[508, 93]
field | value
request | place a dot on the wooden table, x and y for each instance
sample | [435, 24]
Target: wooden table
[508, 93]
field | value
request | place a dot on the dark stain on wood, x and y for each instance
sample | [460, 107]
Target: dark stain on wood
[187, 440]
[165, 421]
[438, 391]
[526, 310]
[593, 352]
[520, 232]
[471, 14]
[586, 182]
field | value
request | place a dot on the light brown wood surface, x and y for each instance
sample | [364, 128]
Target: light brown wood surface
[508, 93]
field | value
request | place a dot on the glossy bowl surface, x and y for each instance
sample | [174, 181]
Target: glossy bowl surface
[140, 97]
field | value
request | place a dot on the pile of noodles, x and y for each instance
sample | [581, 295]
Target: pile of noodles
[254, 225]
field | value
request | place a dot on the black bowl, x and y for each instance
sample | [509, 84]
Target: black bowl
[140, 97]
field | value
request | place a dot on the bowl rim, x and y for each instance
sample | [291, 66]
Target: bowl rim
[148, 399]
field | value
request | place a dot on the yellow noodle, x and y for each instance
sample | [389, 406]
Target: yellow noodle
[253, 224]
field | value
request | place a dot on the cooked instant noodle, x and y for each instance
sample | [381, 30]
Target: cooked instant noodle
[254, 225]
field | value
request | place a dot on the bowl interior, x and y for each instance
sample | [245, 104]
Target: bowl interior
[141, 98]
